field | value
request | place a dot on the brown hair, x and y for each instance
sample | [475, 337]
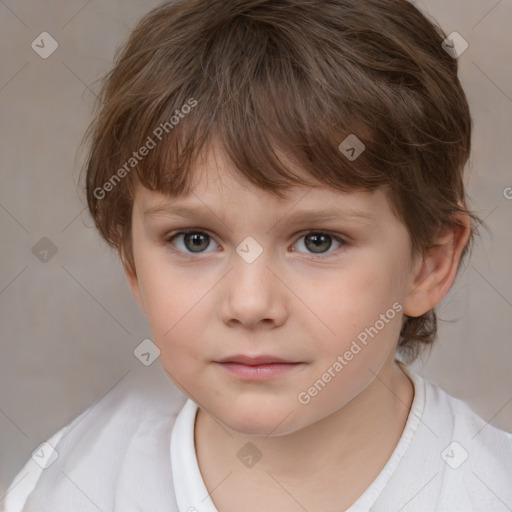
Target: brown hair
[297, 75]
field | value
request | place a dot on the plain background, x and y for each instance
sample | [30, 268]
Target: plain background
[68, 327]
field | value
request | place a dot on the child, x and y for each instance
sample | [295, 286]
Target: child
[253, 127]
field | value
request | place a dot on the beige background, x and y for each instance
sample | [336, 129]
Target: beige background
[68, 327]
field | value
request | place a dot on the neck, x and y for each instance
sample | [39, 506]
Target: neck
[350, 446]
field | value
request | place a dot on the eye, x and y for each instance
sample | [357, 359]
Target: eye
[190, 242]
[193, 241]
[318, 241]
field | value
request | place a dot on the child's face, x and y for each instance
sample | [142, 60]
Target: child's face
[301, 299]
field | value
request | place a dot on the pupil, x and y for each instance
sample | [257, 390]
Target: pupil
[319, 241]
[198, 241]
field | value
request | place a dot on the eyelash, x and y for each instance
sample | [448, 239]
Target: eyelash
[191, 256]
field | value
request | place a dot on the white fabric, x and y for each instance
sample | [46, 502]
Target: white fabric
[133, 451]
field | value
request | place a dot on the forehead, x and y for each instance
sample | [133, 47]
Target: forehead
[217, 186]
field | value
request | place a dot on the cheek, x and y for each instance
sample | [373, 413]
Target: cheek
[172, 302]
[366, 327]
[355, 325]
[345, 302]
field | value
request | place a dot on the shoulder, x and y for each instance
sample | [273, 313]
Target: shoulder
[475, 457]
[127, 427]
[449, 413]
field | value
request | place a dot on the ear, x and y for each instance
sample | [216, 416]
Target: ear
[133, 282]
[435, 272]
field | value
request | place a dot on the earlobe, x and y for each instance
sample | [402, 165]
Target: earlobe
[435, 273]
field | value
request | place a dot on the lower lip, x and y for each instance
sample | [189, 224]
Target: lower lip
[259, 371]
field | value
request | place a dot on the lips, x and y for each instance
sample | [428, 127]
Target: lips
[257, 368]
[255, 360]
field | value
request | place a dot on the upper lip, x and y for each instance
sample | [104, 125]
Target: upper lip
[253, 360]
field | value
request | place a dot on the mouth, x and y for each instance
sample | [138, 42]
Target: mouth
[257, 368]
[254, 360]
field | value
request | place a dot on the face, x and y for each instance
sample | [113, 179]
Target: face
[258, 276]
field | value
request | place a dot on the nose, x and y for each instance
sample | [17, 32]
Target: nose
[254, 294]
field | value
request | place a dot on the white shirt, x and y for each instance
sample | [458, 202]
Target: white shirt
[133, 451]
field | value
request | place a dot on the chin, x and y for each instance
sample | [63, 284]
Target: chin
[259, 427]
[258, 418]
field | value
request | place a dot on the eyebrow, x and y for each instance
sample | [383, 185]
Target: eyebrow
[312, 214]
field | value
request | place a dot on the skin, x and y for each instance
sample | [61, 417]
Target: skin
[293, 303]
